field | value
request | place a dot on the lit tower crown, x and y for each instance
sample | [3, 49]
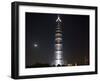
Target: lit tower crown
[58, 59]
[58, 19]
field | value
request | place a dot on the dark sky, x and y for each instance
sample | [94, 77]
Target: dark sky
[40, 29]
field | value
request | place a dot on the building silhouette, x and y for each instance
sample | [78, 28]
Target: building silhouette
[58, 53]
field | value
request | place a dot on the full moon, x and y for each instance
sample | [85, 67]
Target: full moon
[35, 45]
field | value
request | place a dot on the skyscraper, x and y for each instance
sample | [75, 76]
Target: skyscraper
[58, 52]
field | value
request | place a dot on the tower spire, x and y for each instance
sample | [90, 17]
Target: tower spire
[58, 18]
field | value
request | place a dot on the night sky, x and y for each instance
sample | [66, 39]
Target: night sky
[40, 35]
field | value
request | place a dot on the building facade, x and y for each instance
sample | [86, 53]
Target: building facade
[58, 51]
